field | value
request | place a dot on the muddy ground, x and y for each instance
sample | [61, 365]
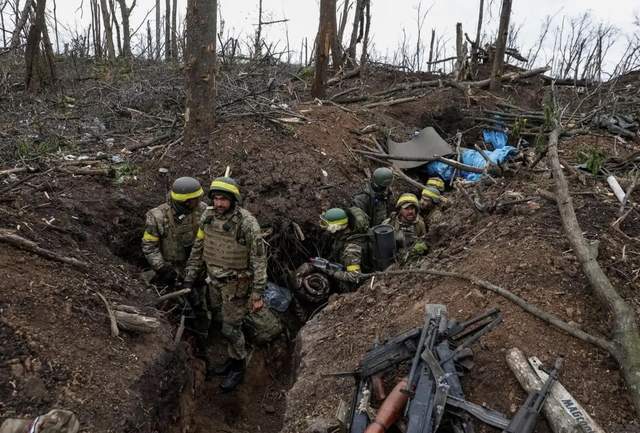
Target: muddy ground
[57, 351]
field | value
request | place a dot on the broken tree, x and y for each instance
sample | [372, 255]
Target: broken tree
[200, 68]
[501, 44]
[326, 38]
[40, 69]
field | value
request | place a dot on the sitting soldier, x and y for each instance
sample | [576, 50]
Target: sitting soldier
[409, 228]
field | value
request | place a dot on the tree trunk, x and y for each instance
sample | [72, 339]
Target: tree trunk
[126, 30]
[323, 48]
[4, 34]
[356, 32]
[625, 334]
[343, 20]
[24, 16]
[433, 39]
[336, 42]
[108, 31]
[97, 33]
[174, 30]
[200, 69]
[35, 73]
[55, 26]
[501, 44]
[149, 48]
[167, 30]
[257, 43]
[112, 7]
[458, 75]
[365, 39]
[157, 29]
[475, 49]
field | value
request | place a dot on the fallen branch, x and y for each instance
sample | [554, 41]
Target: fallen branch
[390, 102]
[25, 244]
[171, 295]
[543, 315]
[625, 346]
[112, 318]
[136, 322]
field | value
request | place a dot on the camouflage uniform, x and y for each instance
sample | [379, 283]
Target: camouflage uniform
[412, 234]
[233, 251]
[349, 249]
[376, 205]
[168, 238]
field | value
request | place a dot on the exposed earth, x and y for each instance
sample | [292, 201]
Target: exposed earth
[57, 350]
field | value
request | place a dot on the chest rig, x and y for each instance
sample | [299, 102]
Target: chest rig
[224, 245]
[179, 235]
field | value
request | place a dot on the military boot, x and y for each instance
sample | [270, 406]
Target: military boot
[234, 376]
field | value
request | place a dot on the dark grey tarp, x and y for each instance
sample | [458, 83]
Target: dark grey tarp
[426, 144]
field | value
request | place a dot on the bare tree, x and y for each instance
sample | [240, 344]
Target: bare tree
[365, 39]
[112, 8]
[22, 21]
[174, 30]
[167, 30]
[125, 11]
[158, 29]
[356, 32]
[37, 73]
[55, 24]
[108, 31]
[501, 43]
[257, 42]
[326, 35]
[475, 47]
[200, 69]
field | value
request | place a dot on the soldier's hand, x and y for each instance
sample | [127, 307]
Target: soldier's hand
[166, 275]
[420, 248]
[257, 303]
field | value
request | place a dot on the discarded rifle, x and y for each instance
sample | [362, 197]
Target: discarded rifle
[431, 395]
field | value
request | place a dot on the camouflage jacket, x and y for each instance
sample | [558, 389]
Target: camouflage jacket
[168, 238]
[375, 205]
[349, 250]
[412, 232]
[248, 237]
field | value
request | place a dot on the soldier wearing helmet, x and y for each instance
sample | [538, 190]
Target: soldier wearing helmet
[230, 247]
[375, 198]
[171, 228]
[348, 228]
[431, 200]
[409, 227]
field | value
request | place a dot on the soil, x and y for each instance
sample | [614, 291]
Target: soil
[57, 350]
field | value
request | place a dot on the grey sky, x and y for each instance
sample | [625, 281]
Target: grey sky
[391, 16]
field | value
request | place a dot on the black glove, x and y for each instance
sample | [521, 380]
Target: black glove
[166, 275]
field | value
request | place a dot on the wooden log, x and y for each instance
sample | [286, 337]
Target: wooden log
[136, 322]
[563, 412]
[171, 295]
[25, 244]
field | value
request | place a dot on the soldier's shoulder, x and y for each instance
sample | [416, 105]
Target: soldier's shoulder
[246, 216]
[159, 211]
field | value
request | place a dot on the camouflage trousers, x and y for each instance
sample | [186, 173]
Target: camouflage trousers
[230, 302]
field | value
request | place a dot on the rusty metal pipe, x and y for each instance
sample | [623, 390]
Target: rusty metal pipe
[391, 409]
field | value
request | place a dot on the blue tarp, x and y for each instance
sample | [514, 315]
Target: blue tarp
[502, 151]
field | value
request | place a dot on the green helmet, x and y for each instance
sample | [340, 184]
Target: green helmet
[382, 177]
[227, 186]
[185, 188]
[334, 219]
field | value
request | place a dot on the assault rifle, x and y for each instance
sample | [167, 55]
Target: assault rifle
[437, 350]
[526, 418]
[325, 265]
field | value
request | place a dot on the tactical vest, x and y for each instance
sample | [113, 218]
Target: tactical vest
[178, 236]
[222, 247]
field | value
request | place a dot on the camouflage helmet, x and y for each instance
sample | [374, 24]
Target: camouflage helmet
[226, 185]
[334, 220]
[382, 177]
[185, 188]
[432, 193]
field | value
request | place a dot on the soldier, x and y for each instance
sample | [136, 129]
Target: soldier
[230, 245]
[171, 230]
[349, 230]
[375, 198]
[430, 202]
[409, 227]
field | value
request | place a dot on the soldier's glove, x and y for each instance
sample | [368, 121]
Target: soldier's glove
[166, 275]
[420, 248]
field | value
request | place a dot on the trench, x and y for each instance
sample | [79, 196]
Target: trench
[176, 386]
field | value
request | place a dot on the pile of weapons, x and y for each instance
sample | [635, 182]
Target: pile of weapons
[431, 396]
